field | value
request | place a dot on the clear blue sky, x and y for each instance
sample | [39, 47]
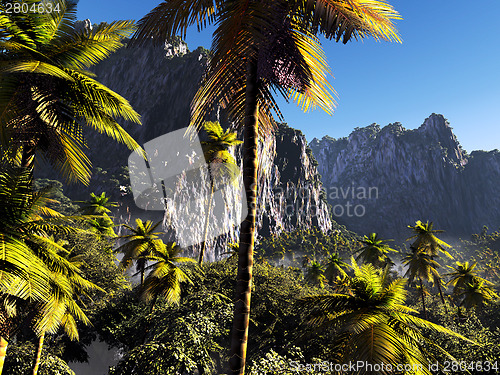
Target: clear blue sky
[448, 63]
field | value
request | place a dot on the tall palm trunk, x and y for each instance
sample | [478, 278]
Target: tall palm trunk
[239, 338]
[423, 297]
[38, 353]
[28, 154]
[203, 244]
[441, 295]
[3, 352]
[141, 266]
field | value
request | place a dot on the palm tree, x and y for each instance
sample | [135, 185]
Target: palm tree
[425, 239]
[28, 250]
[23, 276]
[421, 266]
[102, 226]
[20, 269]
[61, 309]
[222, 165]
[334, 267]
[257, 47]
[165, 277]
[47, 94]
[375, 251]
[142, 242]
[372, 323]
[97, 205]
[462, 275]
[315, 274]
[476, 294]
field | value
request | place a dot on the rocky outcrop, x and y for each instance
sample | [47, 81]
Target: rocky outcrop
[385, 179]
[291, 188]
[160, 89]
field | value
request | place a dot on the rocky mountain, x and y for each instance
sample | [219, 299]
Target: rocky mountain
[384, 179]
[160, 88]
[377, 179]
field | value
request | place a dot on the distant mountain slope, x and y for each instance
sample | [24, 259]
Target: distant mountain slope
[390, 177]
[161, 89]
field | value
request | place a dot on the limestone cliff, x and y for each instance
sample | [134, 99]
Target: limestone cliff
[388, 178]
[161, 89]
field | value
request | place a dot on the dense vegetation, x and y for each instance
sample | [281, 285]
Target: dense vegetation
[183, 325]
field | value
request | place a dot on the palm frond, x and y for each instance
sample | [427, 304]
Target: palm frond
[358, 18]
[174, 17]
[35, 67]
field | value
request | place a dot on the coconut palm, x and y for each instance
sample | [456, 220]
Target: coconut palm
[97, 205]
[463, 274]
[425, 239]
[375, 251]
[421, 266]
[102, 226]
[334, 267]
[28, 250]
[48, 96]
[372, 323]
[476, 294]
[257, 47]
[67, 285]
[165, 277]
[22, 274]
[221, 163]
[315, 274]
[142, 242]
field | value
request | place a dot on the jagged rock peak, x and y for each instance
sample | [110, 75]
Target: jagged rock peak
[83, 25]
[395, 128]
[438, 128]
[417, 173]
[435, 122]
[435, 131]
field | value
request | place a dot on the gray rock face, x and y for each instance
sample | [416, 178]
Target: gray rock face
[161, 89]
[385, 179]
[291, 186]
[83, 25]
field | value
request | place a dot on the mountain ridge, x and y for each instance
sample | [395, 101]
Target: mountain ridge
[160, 89]
[419, 174]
